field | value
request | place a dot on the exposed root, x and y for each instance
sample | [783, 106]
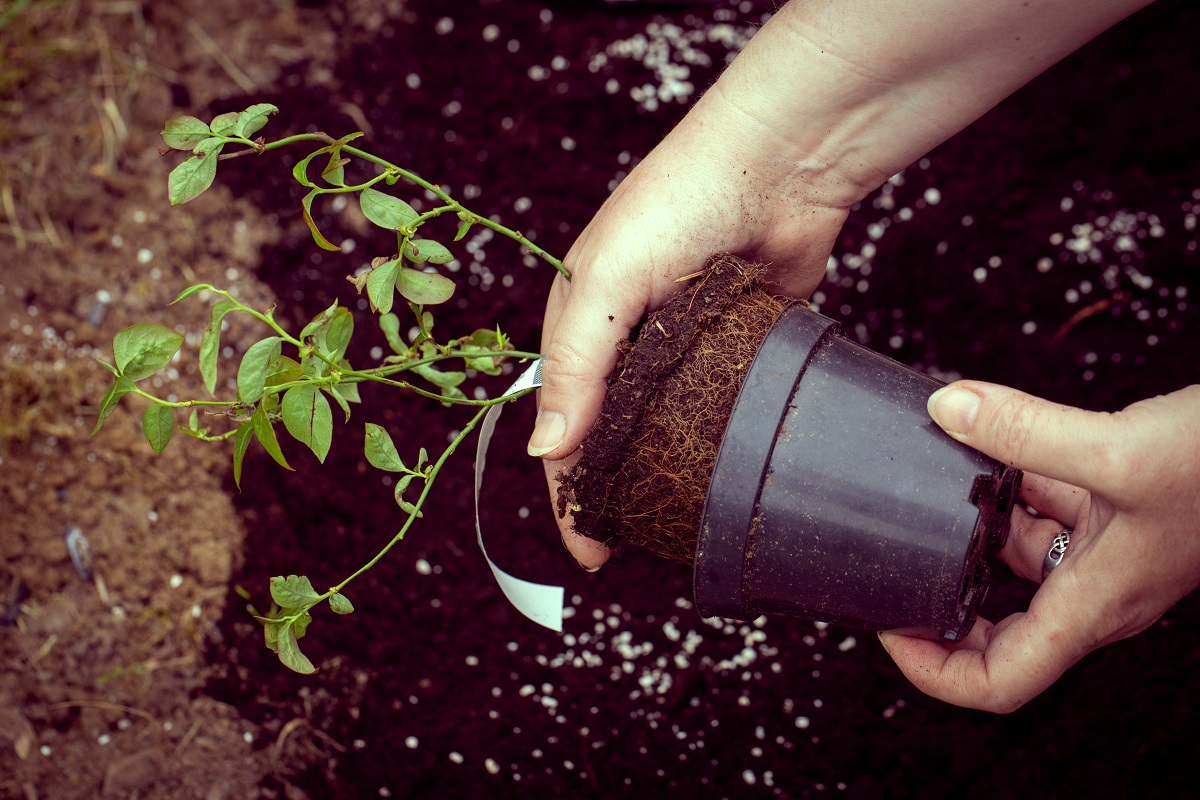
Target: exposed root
[646, 465]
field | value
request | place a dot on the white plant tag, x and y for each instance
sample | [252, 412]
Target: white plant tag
[541, 603]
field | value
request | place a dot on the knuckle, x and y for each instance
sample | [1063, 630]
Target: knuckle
[1013, 421]
[568, 368]
[1003, 702]
[1110, 457]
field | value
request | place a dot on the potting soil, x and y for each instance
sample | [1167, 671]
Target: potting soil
[646, 464]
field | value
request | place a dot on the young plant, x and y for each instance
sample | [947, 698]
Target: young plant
[292, 378]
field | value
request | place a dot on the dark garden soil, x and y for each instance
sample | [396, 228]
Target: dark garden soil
[1053, 247]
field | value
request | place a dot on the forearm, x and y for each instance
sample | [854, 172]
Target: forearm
[834, 96]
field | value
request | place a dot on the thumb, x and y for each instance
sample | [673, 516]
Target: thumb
[579, 343]
[1049, 439]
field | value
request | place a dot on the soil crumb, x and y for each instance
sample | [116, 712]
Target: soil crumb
[646, 465]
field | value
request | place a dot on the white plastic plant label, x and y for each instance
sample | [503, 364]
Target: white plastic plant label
[541, 603]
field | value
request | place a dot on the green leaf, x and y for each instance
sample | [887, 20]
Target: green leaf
[191, 290]
[184, 132]
[340, 604]
[321, 241]
[425, 288]
[334, 173]
[409, 508]
[445, 380]
[158, 423]
[381, 285]
[116, 373]
[348, 390]
[254, 118]
[189, 180]
[448, 382]
[420, 251]
[334, 336]
[484, 339]
[252, 372]
[271, 630]
[349, 137]
[266, 436]
[401, 485]
[380, 450]
[210, 344]
[300, 171]
[464, 227]
[330, 332]
[308, 418]
[142, 350]
[390, 325]
[119, 388]
[314, 367]
[300, 623]
[294, 591]
[226, 124]
[289, 651]
[342, 402]
[316, 322]
[386, 211]
[283, 370]
[241, 441]
[488, 365]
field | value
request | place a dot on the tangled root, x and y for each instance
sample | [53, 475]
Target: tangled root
[645, 469]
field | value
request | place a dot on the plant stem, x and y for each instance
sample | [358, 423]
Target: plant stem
[181, 403]
[412, 177]
[429, 479]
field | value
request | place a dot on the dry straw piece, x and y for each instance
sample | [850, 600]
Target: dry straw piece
[645, 468]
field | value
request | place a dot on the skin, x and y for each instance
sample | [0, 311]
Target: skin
[830, 99]
[1125, 482]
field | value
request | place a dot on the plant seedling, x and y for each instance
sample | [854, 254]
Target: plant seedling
[295, 379]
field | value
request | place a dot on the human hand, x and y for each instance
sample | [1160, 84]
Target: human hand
[825, 103]
[1127, 483]
[674, 211]
[727, 179]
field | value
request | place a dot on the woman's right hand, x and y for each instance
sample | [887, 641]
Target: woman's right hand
[699, 193]
[826, 102]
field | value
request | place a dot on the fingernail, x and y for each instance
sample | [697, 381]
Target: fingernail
[586, 568]
[954, 409]
[548, 433]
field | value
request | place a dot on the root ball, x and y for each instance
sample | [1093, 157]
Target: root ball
[646, 465]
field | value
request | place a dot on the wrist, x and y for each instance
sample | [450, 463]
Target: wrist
[828, 100]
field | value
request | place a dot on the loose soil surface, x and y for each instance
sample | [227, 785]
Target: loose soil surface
[1053, 246]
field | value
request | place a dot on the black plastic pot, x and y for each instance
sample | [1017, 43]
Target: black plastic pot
[835, 497]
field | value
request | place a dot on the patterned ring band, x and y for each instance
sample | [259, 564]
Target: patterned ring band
[1058, 549]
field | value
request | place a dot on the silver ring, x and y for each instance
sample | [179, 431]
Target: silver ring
[1058, 549]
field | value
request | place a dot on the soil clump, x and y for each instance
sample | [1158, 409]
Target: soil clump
[646, 465]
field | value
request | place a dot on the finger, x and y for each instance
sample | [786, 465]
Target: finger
[1051, 498]
[997, 668]
[590, 554]
[579, 343]
[1061, 442]
[1029, 540]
